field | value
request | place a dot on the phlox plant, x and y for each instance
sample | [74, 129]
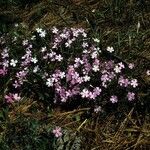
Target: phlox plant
[63, 65]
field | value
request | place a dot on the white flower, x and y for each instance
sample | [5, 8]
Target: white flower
[96, 40]
[110, 49]
[148, 72]
[30, 46]
[84, 34]
[42, 33]
[94, 54]
[16, 24]
[134, 83]
[93, 11]
[13, 62]
[38, 30]
[81, 62]
[95, 68]
[67, 44]
[51, 54]
[34, 60]
[131, 65]
[43, 49]
[36, 68]
[55, 30]
[77, 60]
[25, 42]
[85, 93]
[86, 78]
[49, 82]
[63, 99]
[117, 69]
[76, 65]
[54, 79]
[97, 49]
[97, 109]
[59, 57]
[62, 35]
[85, 44]
[75, 33]
[33, 37]
[16, 97]
[85, 51]
[62, 75]
[80, 80]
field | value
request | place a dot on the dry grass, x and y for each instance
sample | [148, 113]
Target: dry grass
[101, 133]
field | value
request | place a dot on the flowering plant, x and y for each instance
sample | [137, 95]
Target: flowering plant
[63, 65]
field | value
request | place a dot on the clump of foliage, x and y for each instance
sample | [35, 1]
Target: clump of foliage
[28, 133]
[60, 66]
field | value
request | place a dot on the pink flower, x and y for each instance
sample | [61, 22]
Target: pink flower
[109, 64]
[123, 82]
[131, 96]
[121, 65]
[5, 63]
[97, 91]
[92, 95]
[16, 84]
[57, 132]
[114, 99]
[9, 98]
[104, 78]
[3, 72]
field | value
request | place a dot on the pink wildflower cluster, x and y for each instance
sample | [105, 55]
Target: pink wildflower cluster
[71, 64]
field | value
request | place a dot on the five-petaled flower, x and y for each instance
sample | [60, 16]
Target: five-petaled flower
[114, 99]
[57, 132]
[110, 49]
[13, 62]
[134, 83]
[131, 96]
